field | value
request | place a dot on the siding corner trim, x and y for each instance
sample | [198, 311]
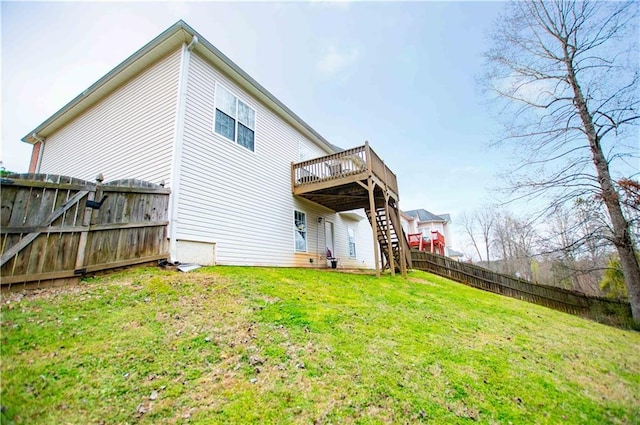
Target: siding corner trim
[176, 166]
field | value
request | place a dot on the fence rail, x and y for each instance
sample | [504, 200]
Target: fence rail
[605, 310]
[54, 228]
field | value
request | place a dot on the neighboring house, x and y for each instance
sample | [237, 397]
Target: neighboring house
[425, 222]
[179, 111]
[456, 255]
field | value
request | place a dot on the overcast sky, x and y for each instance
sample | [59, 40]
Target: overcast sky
[400, 75]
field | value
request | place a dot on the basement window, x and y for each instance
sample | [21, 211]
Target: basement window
[300, 231]
[234, 119]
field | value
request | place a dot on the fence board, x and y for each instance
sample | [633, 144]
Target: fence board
[604, 310]
[45, 221]
[49, 233]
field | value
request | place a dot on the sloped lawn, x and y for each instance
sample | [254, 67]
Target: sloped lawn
[253, 345]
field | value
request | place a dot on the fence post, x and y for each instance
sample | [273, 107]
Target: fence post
[98, 195]
[86, 223]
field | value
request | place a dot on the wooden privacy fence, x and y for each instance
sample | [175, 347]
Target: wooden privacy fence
[605, 310]
[57, 227]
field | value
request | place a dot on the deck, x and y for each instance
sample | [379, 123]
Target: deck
[358, 178]
[340, 181]
[434, 243]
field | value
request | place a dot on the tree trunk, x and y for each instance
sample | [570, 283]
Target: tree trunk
[621, 229]
[486, 242]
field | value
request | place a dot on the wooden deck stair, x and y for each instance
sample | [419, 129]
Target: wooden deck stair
[390, 233]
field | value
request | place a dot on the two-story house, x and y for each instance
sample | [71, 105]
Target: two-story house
[251, 182]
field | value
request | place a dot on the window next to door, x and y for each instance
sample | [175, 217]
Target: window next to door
[352, 242]
[300, 231]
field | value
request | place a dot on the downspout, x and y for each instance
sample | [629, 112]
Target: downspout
[41, 140]
[193, 43]
[176, 168]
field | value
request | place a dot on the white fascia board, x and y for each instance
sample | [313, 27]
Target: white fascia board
[166, 42]
[169, 40]
[354, 215]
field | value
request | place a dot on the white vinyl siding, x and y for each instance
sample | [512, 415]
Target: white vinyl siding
[363, 242]
[409, 225]
[308, 150]
[304, 152]
[428, 227]
[443, 228]
[241, 201]
[128, 134]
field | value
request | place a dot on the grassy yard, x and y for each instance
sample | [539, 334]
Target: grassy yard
[252, 345]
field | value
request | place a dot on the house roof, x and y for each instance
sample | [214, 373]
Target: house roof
[424, 215]
[168, 41]
[454, 253]
[405, 215]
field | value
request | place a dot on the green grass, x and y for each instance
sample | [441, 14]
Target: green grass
[258, 345]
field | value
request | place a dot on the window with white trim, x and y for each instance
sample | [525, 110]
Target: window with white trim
[234, 119]
[352, 242]
[300, 231]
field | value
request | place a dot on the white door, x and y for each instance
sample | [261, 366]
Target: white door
[328, 237]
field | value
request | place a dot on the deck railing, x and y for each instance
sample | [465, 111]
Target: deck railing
[423, 243]
[437, 237]
[343, 164]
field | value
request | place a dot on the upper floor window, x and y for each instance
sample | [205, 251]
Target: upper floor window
[234, 119]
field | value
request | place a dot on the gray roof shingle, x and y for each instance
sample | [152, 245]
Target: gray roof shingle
[424, 215]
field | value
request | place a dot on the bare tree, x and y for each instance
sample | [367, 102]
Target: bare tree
[567, 73]
[477, 226]
[630, 190]
[514, 241]
[485, 218]
[576, 243]
[469, 226]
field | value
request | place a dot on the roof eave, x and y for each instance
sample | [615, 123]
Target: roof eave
[406, 216]
[171, 38]
[109, 82]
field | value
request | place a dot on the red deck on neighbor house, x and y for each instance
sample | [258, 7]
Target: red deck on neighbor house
[435, 243]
